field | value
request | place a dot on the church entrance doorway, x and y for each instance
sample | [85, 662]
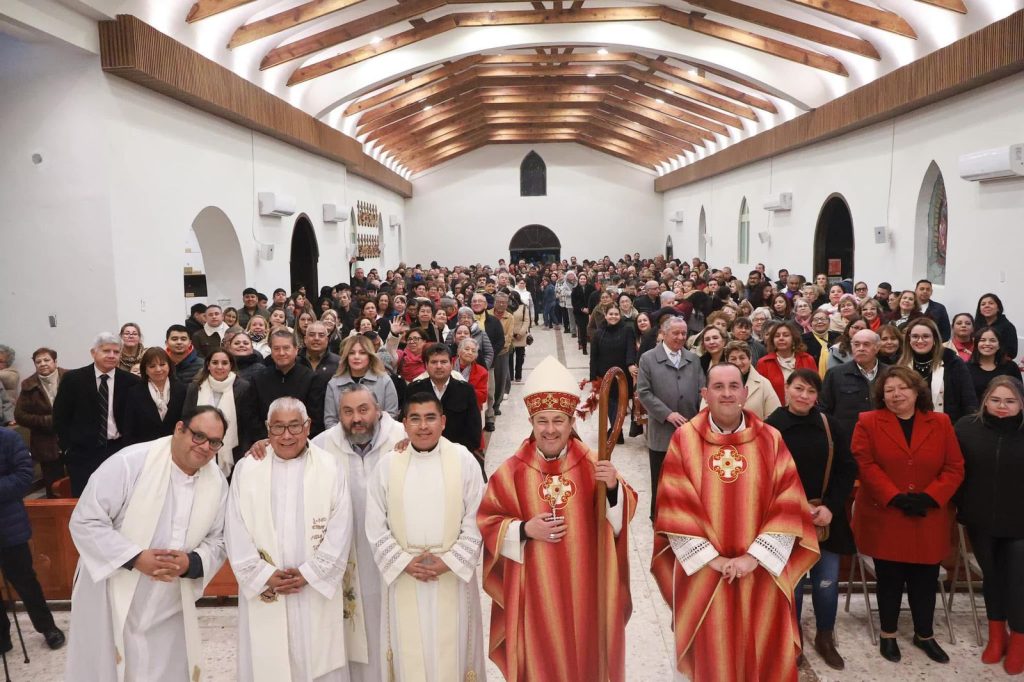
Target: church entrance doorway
[535, 244]
[833, 240]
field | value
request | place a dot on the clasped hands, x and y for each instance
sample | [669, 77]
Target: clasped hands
[427, 567]
[164, 565]
[913, 504]
[734, 568]
[286, 581]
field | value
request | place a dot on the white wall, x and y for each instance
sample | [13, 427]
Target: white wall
[467, 210]
[879, 171]
[96, 233]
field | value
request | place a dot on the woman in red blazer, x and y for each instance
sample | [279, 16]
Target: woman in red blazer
[910, 467]
[786, 352]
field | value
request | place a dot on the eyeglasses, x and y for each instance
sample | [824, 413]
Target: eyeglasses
[294, 428]
[920, 337]
[860, 288]
[1002, 402]
[200, 438]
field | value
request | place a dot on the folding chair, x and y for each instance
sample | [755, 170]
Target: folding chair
[965, 559]
[865, 566]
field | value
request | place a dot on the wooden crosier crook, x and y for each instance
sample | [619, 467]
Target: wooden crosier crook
[606, 444]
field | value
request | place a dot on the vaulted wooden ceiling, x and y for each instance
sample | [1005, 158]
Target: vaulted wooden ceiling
[649, 105]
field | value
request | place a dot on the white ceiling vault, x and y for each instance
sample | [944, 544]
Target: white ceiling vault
[658, 84]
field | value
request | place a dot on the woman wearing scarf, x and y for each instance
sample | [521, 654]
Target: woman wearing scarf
[962, 339]
[153, 406]
[257, 332]
[131, 348]
[34, 411]
[220, 385]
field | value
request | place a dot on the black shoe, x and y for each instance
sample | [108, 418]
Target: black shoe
[635, 430]
[932, 649]
[497, 413]
[6, 645]
[889, 649]
[54, 638]
[621, 440]
[489, 426]
[584, 350]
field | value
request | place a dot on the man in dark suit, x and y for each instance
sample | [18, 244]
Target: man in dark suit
[288, 378]
[462, 418]
[933, 309]
[89, 411]
[496, 335]
[846, 392]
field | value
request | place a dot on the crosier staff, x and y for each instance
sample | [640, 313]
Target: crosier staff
[605, 445]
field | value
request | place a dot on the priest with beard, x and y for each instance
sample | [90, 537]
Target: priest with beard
[540, 530]
[421, 522]
[149, 533]
[733, 537]
[363, 435]
[289, 531]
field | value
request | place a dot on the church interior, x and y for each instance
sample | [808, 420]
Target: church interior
[163, 153]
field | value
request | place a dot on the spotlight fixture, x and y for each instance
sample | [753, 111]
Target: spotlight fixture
[374, 40]
[602, 51]
[660, 100]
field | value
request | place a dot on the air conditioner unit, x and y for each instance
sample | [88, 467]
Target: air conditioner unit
[278, 205]
[779, 202]
[993, 164]
[334, 214]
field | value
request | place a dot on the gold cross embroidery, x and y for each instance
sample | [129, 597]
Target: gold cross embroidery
[728, 463]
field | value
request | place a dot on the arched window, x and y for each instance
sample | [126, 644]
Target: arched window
[702, 235]
[743, 243]
[533, 176]
[932, 229]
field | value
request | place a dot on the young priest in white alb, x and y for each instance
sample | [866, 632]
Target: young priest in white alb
[149, 532]
[288, 530]
[421, 522]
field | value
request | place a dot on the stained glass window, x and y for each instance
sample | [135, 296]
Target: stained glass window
[938, 231]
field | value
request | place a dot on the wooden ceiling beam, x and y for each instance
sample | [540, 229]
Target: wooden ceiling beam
[865, 15]
[657, 148]
[656, 119]
[683, 109]
[412, 84]
[616, 118]
[722, 73]
[578, 57]
[957, 6]
[398, 138]
[695, 94]
[604, 146]
[449, 156]
[422, 96]
[207, 8]
[708, 84]
[435, 113]
[287, 19]
[689, 21]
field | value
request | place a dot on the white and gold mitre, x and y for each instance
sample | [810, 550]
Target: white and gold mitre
[550, 386]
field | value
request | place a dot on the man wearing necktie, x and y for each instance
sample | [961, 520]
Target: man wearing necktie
[88, 410]
[668, 385]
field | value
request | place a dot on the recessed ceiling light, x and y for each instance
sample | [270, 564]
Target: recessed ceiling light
[428, 107]
[591, 75]
[374, 40]
[660, 101]
[602, 51]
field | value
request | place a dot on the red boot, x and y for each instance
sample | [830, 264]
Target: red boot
[997, 639]
[1014, 662]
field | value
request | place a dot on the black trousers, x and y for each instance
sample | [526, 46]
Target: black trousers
[16, 563]
[581, 329]
[920, 580]
[52, 472]
[82, 462]
[518, 359]
[1002, 564]
[657, 458]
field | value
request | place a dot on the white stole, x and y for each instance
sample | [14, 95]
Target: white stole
[141, 516]
[412, 658]
[268, 621]
[226, 455]
[355, 631]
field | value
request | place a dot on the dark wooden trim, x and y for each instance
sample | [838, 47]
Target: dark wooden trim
[992, 53]
[135, 51]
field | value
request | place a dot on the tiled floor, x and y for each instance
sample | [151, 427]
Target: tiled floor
[648, 637]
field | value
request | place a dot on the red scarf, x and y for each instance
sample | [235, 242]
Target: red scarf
[175, 357]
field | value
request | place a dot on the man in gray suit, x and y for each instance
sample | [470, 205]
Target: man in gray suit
[668, 384]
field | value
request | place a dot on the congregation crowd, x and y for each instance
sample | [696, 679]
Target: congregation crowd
[308, 402]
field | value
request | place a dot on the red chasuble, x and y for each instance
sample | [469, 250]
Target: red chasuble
[730, 488]
[544, 616]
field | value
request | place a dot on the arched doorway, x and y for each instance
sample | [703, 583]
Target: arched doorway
[535, 244]
[833, 240]
[214, 267]
[305, 255]
[668, 248]
[702, 235]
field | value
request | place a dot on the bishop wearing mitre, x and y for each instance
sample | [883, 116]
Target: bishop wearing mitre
[540, 527]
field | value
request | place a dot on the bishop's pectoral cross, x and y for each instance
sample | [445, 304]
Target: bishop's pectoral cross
[556, 491]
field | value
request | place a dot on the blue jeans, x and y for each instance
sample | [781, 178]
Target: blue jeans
[824, 582]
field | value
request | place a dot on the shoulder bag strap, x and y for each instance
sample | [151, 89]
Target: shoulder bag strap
[831, 452]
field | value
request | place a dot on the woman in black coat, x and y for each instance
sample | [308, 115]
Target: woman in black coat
[990, 313]
[804, 432]
[154, 406]
[218, 381]
[988, 360]
[248, 362]
[613, 345]
[581, 310]
[992, 508]
[941, 368]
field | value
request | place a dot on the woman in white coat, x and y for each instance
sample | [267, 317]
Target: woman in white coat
[761, 397]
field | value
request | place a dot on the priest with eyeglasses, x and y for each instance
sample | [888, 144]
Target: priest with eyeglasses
[288, 532]
[149, 533]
